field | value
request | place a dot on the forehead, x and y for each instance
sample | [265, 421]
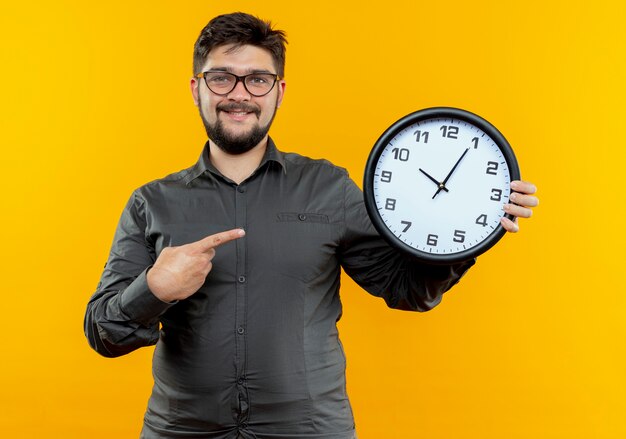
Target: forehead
[239, 59]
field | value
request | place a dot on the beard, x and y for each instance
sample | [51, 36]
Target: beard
[239, 142]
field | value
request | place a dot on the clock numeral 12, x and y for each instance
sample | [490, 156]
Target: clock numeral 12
[449, 131]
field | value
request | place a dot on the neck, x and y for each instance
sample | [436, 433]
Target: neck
[237, 167]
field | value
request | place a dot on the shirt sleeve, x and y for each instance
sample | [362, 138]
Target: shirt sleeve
[123, 314]
[402, 281]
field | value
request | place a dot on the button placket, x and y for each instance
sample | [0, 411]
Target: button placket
[241, 301]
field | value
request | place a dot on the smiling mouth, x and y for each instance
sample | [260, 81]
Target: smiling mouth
[238, 111]
[239, 116]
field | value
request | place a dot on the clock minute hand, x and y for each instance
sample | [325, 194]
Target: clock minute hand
[439, 184]
[443, 184]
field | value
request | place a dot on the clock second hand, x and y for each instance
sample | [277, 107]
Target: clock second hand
[439, 184]
[443, 184]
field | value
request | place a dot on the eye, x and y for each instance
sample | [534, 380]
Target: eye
[258, 80]
[218, 78]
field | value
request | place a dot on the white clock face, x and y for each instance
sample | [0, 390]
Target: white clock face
[439, 185]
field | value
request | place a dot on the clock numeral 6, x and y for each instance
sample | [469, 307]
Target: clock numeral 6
[492, 168]
[432, 240]
[482, 220]
[459, 236]
[390, 204]
[401, 154]
[385, 176]
[497, 194]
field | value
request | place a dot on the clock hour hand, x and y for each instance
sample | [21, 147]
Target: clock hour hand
[439, 184]
[443, 184]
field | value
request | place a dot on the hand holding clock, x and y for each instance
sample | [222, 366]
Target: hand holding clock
[522, 199]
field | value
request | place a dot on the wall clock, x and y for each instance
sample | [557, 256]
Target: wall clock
[435, 184]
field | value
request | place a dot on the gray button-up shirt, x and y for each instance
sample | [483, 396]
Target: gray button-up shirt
[255, 352]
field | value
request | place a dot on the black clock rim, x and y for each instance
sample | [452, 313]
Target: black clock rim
[381, 143]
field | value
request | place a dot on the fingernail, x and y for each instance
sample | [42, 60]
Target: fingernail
[514, 185]
[242, 232]
[513, 197]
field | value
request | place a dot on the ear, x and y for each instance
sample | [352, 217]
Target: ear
[194, 84]
[282, 85]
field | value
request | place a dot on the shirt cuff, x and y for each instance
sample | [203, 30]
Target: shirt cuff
[139, 303]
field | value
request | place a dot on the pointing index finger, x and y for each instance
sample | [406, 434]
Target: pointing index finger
[213, 241]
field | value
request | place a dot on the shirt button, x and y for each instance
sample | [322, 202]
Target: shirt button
[302, 217]
[240, 330]
[240, 380]
[241, 189]
[241, 279]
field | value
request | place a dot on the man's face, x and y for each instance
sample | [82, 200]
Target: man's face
[237, 122]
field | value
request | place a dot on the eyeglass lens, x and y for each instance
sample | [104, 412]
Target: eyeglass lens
[257, 84]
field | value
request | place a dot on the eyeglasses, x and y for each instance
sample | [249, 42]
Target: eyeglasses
[222, 83]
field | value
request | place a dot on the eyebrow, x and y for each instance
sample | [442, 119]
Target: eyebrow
[231, 70]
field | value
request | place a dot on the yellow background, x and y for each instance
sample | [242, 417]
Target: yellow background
[531, 344]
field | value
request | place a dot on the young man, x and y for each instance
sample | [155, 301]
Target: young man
[245, 322]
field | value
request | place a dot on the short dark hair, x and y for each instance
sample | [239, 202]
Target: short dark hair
[239, 29]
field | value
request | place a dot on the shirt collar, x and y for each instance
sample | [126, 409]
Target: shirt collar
[203, 165]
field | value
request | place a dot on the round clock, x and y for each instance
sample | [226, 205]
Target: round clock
[436, 182]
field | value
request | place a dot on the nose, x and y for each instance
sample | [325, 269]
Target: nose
[239, 93]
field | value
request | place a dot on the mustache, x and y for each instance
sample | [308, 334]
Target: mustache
[232, 106]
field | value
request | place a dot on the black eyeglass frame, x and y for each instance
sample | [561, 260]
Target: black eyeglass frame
[238, 79]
